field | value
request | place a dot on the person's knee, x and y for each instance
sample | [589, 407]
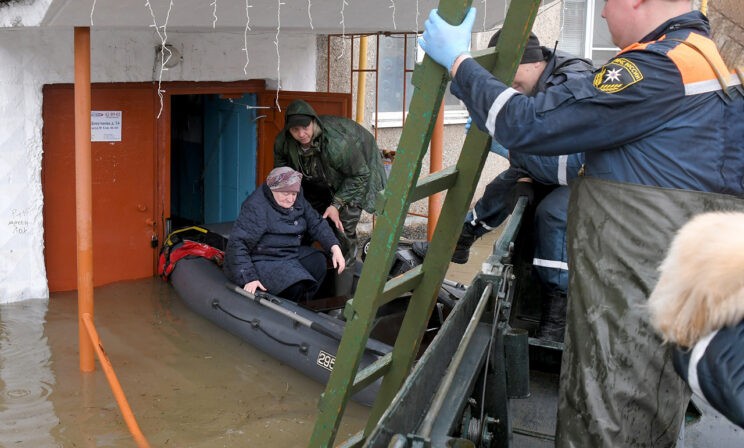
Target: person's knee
[301, 291]
[551, 211]
[315, 263]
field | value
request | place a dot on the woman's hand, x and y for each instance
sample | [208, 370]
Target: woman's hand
[252, 286]
[332, 213]
[338, 259]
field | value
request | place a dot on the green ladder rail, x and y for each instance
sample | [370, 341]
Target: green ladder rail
[374, 290]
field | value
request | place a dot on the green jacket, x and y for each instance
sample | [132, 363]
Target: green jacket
[350, 161]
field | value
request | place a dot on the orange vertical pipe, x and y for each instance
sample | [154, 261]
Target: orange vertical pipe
[435, 164]
[83, 194]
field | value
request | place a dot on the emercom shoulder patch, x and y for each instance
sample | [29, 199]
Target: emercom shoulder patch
[617, 75]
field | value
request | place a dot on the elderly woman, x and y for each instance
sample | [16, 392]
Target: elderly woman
[264, 251]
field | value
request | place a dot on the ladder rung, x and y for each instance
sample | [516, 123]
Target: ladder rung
[486, 57]
[434, 183]
[371, 373]
[401, 284]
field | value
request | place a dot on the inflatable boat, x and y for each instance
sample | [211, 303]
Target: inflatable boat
[303, 336]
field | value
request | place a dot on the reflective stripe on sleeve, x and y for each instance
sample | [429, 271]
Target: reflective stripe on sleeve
[697, 354]
[696, 88]
[496, 107]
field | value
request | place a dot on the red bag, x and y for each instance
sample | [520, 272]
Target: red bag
[172, 251]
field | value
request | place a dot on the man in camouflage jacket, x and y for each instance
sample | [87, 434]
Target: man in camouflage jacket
[341, 166]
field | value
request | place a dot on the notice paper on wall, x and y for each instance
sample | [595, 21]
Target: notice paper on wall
[105, 125]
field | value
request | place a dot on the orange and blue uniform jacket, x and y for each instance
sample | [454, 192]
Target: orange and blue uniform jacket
[664, 112]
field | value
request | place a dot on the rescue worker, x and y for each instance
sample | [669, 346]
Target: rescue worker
[539, 69]
[341, 166]
[664, 113]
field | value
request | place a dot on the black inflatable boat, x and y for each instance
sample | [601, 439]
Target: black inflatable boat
[306, 336]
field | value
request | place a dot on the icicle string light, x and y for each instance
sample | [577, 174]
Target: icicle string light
[564, 13]
[92, 8]
[245, 37]
[416, 46]
[163, 49]
[343, 30]
[214, 13]
[485, 13]
[392, 6]
[278, 58]
[417, 18]
[247, 106]
[309, 15]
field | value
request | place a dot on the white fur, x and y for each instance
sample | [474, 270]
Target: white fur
[701, 287]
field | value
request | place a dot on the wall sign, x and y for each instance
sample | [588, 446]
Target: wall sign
[105, 125]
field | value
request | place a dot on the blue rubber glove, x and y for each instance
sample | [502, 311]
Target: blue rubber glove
[499, 149]
[468, 123]
[444, 42]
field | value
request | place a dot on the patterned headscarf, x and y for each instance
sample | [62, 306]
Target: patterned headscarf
[285, 179]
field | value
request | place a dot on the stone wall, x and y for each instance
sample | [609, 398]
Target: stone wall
[727, 26]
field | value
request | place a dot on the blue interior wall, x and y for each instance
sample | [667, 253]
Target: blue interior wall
[229, 155]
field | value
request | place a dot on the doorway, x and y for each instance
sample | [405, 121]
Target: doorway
[213, 157]
[193, 161]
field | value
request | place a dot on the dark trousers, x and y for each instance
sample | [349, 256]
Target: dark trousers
[493, 207]
[314, 262]
[349, 216]
[320, 197]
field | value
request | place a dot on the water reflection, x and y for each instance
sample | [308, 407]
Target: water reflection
[27, 416]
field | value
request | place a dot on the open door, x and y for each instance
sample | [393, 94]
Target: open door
[213, 156]
[271, 120]
[229, 155]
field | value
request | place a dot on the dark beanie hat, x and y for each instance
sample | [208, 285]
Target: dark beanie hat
[533, 51]
[298, 120]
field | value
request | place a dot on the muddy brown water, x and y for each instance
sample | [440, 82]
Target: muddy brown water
[189, 383]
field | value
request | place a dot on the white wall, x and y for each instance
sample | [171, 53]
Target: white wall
[32, 57]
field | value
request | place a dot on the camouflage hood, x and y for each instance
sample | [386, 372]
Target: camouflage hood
[348, 152]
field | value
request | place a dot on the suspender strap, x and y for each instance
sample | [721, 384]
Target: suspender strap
[720, 76]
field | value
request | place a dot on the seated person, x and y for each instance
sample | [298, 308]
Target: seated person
[264, 251]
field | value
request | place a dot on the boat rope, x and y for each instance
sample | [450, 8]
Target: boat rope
[255, 323]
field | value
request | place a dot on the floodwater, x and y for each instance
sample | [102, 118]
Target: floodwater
[188, 382]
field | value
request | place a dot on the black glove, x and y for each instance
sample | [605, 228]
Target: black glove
[522, 189]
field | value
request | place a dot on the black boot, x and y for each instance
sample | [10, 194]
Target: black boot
[553, 318]
[462, 249]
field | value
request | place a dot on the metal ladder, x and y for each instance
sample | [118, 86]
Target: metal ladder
[459, 181]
